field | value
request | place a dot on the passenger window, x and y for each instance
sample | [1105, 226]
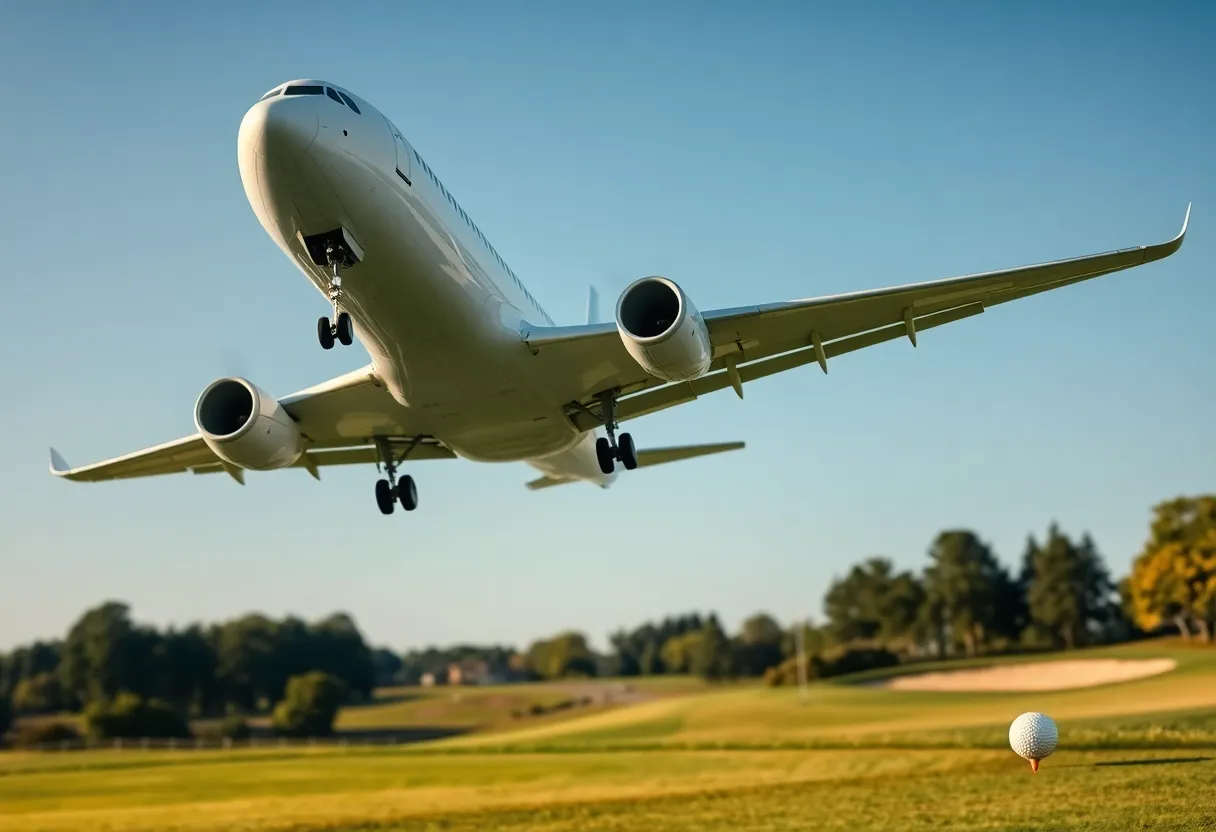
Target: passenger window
[349, 102]
[330, 92]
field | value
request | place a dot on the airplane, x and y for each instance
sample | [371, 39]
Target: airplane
[465, 363]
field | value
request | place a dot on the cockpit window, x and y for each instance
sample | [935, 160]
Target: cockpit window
[348, 101]
[304, 90]
[330, 92]
[270, 94]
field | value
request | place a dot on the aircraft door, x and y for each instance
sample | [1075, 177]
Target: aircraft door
[403, 154]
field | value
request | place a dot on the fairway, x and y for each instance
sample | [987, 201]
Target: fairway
[1134, 755]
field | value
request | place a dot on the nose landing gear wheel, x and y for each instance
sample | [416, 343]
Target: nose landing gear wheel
[384, 496]
[325, 334]
[407, 493]
[344, 329]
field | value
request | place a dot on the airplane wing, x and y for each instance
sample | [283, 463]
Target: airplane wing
[338, 419]
[653, 456]
[751, 342]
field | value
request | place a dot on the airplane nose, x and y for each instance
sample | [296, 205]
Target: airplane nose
[280, 127]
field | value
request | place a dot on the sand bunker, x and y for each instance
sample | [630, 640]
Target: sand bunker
[1063, 675]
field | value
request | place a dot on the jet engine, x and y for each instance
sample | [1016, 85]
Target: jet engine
[663, 330]
[246, 426]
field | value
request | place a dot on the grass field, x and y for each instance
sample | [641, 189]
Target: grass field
[1139, 755]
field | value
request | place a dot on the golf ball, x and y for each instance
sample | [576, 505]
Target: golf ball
[1033, 736]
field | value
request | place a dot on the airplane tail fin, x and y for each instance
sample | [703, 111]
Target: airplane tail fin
[654, 456]
[593, 305]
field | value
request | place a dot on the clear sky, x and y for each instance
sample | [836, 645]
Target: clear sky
[752, 152]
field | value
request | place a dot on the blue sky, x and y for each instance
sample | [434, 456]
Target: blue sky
[751, 152]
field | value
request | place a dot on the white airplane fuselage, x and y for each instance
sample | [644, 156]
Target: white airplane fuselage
[437, 309]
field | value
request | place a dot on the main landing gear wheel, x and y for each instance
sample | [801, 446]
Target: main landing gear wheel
[611, 449]
[344, 330]
[384, 496]
[325, 334]
[391, 490]
[407, 493]
[626, 452]
[605, 455]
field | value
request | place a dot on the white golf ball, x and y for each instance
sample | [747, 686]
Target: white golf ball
[1033, 736]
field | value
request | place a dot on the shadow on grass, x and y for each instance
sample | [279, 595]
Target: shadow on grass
[399, 736]
[1158, 761]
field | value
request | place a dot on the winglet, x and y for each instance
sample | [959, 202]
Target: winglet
[1161, 250]
[59, 466]
[593, 305]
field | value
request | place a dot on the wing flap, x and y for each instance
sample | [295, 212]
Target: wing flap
[174, 457]
[670, 395]
[339, 419]
[591, 359]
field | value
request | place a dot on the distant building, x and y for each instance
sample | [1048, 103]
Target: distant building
[427, 680]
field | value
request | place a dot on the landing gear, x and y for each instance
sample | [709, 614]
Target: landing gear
[611, 449]
[407, 493]
[384, 496]
[342, 329]
[325, 334]
[391, 490]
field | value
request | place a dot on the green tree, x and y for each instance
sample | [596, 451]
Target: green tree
[186, 665]
[387, 667]
[758, 647]
[103, 655]
[246, 653]
[310, 705]
[712, 658]
[678, 651]
[6, 716]
[566, 654]
[1070, 590]
[962, 584]
[873, 602]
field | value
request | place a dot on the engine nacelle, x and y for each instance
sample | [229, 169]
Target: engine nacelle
[663, 330]
[246, 426]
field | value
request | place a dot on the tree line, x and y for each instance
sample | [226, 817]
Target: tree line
[129, 678]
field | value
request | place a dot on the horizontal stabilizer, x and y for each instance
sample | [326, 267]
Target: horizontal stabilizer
[659, 456]
[653, 456]
[547, 482]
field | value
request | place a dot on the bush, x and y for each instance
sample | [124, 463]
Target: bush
[310, 705]
[40, 694]
[42, 732]
[6, 715]
[128, 716]
[855, 660]
[835, 663]
[229, 728]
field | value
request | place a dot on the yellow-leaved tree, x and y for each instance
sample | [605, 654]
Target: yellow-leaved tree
[1174, 577]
